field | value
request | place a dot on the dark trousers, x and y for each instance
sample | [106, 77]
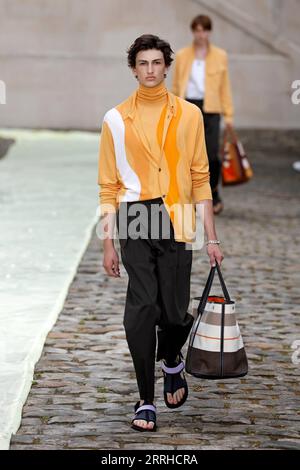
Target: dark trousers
[212, 136]
[158, 294]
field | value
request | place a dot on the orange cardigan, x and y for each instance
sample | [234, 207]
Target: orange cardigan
[128, 171]
[218, 98]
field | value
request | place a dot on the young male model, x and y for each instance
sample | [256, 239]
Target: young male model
[152, 158]
[201, 77]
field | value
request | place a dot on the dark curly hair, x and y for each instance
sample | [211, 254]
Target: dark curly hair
[149, 41]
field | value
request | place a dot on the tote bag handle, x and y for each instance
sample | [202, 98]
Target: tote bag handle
[205, 295]
[208, 285]
[229, 135]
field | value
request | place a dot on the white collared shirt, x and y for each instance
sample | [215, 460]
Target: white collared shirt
[196, 83]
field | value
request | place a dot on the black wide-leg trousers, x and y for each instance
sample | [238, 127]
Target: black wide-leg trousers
[158, 294]
[212, 136]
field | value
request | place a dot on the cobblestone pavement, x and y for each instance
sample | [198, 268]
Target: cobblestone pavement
[84, 386]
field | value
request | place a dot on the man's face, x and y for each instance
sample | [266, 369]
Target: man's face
[200, 35]
[150, 67]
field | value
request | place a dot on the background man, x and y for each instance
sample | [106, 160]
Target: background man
[201, 77]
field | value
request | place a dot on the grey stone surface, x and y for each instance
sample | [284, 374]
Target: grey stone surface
[84, 386]
[45, 68]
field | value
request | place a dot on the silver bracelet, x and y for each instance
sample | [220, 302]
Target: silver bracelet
[213, 242]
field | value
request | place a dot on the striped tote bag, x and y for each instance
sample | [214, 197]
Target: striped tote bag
[215, 349]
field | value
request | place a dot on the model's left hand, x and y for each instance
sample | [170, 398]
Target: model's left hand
[215, 254]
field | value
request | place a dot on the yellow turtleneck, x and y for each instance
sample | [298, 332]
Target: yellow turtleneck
[150, 102]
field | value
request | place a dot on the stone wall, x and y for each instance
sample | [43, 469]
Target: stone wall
[64, 61]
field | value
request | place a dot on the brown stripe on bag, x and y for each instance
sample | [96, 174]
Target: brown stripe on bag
[212, 318]
[207, 363]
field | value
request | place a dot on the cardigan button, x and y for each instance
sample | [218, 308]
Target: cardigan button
[159, 169]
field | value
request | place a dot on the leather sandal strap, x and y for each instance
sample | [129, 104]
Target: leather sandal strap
[173, 370]
[146, 407]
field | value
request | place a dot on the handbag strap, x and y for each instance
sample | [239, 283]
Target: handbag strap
[206, 290]
[204, 297]
[229, 133]
[208, 285]
[222, 282]
[202, 304]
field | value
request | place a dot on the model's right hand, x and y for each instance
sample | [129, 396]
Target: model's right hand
[111, 261]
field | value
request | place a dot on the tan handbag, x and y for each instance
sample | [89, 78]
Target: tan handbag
[236, 168]
[216, 349]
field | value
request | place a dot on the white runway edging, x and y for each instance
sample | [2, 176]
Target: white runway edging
[48, 204]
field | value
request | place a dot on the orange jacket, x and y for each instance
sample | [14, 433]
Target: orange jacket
[218, 98]
[128, 171]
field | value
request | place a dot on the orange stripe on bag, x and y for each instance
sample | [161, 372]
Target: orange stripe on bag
[214, 337]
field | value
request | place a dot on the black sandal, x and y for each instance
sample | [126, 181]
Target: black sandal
[146, 412]
[173, 382]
